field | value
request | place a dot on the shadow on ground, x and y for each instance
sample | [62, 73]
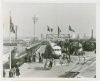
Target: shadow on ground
[39, 68]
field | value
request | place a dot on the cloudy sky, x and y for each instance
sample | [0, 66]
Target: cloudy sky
[80, 16]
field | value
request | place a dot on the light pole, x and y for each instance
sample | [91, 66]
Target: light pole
[34, 20]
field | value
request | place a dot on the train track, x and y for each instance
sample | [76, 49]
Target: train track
[74, 72]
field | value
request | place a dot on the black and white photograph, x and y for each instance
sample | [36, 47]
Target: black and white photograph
[49, 40]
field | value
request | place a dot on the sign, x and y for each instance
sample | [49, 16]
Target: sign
[10, 44]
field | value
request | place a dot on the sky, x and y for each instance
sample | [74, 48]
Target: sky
[80, 16]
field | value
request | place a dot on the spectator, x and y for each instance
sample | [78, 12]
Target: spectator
[50, 64]
[29, 58]
[60, 60]
[14, 71]
[25, 59]
[4, 73]
[11, 73]
[17, 72]
[34, 58]
[39, 57]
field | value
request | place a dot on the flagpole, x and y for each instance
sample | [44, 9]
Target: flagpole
[10, 43]
[47, 34]
[16, 35]
[68, 34]
[58, 31]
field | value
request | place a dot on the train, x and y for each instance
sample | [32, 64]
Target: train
[52, 50]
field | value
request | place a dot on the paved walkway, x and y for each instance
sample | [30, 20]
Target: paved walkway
[36, 69]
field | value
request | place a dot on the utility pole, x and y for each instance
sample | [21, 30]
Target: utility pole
[34, 20]
[91, 34]
[16, 34]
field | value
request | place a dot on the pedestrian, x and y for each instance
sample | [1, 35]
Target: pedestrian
[11, 73]
[67, 59]
[42, 56]
[4, 73]
[17, 72]
[25, 59]
[45, 65]
[29, 58]
[34, 58]
[63, 57]
[60, 60]
[39, 58]
[14, 71]
[54, 62]
[95, 51]
[50, 64]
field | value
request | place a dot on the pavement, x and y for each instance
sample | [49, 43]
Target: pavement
[80, 69]
[36, 69]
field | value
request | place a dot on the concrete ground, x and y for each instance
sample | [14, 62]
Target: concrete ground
[37, 69]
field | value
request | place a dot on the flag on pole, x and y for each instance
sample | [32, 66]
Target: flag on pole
[49, 29]
[11, 26]
[59, 30]
[70, 29]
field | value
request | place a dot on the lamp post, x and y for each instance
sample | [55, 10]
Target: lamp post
[34, 20]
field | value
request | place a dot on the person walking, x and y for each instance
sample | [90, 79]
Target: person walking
[14, 71]
[45, 65]
[50, 64]
[29, 58]
[34, 57]
[11, 73]
[40, 59]
[17, 72]
[60, 60]
[4, 73]
[25, 59]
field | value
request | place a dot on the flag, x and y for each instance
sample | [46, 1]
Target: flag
[70, 29]
[11, 26]
[48, 28]
[59, 30]
[51, 30]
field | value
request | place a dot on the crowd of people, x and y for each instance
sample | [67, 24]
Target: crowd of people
[13, 72]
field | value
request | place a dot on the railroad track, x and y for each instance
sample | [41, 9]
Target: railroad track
[74, 72]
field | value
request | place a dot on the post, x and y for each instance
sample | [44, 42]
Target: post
[10, 50]
[16, 35]
[34, 30]
[10, 45]
[34, 20]
[91, 34]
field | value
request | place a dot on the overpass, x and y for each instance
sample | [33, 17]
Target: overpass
[19, 57]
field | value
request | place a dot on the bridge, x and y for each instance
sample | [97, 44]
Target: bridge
[18, 56]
